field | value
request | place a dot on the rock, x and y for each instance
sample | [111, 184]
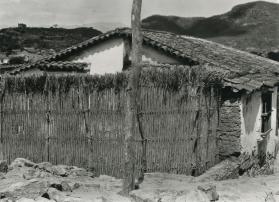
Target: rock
[60, 170]
[248, 164]
[25, 200]
[44, 174]
[3, 166]
[73, 199]
[42, 199]
[57, 186]
[21, 162]
[2, 176]
[74, 185]
[210, 191]
[270, 198]
[100, 199]
[45, 166]
[223, 171]
[6, 200]
[80, 172]
[106, 178]
[193, 196]
[28, 189]
[66, 187]
[58, 196]
[55, 195]
[31, 174]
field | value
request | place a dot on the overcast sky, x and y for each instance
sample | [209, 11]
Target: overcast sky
[78, 12]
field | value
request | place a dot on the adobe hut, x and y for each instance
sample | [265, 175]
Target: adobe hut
[248, 105]
[248, 114]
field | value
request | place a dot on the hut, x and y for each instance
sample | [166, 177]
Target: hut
[248, 116]
[248, 112]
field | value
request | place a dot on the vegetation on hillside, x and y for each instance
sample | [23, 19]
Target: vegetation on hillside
[43, 38]
[252, 27]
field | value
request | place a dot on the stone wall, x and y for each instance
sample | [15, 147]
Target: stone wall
[229, 130]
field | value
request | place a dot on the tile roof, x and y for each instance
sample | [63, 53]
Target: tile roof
[245, 71]
[46, 66]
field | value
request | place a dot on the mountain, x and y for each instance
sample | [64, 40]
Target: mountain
[43, 38]
[251, 27]
[102, 26]
[105, 26]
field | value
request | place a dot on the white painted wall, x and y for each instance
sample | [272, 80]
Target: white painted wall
[154, 56]
[251, 123]
[106, 57]
[273, 139]
[251, 110]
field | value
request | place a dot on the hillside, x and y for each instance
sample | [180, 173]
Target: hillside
[43, 38]
[252, 27]
[102, 26]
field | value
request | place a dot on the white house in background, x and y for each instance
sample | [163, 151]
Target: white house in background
[3, 59]
[110, 53]
[249, 114]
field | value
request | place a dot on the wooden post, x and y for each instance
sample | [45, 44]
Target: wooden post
[48, 121]
[132, 94]
[1, 130]
[48, 132]
[85, 95]
[2, 84]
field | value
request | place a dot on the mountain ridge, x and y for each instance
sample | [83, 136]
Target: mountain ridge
[253, 26]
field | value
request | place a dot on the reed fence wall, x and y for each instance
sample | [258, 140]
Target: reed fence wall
[86, 128]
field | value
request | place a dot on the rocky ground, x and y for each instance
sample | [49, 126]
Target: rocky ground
[25, 181]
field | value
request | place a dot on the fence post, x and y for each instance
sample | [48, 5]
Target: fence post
[1, 119]
[88, 133]
[47, 135]
[1, 130]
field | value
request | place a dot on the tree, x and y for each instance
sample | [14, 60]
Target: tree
[132, 95]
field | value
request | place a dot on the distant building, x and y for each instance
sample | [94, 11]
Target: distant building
[54, 26]
[21, 25]
[3, 59]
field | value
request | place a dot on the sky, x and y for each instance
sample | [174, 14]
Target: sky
[78, 12]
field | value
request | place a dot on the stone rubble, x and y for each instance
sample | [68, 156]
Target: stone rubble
[25, 181]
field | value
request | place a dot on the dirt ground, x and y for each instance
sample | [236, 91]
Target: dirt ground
[178, 188]
[45, 182]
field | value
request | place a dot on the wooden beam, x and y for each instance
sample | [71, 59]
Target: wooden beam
[132, 95]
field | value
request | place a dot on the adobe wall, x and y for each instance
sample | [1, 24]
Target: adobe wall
[240, 124]
[229, 130]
